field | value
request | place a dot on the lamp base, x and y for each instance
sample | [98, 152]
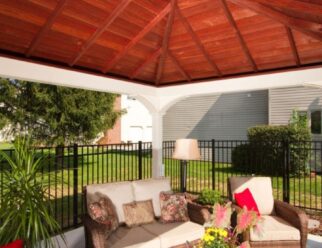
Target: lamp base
[183, 171]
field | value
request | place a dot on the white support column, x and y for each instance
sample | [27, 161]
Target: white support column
[157, 140]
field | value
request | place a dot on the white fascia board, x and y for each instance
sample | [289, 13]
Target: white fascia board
[12, 68]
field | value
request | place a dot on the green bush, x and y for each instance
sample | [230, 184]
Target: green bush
[265, 153]
[209, 197]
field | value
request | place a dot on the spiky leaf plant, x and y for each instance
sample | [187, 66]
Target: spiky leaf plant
[25, 211]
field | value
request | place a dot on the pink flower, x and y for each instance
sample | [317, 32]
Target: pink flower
[221, 215]
[244, 245]
[245, 220]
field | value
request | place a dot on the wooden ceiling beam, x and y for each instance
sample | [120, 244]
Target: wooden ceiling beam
[296, 9]
[165, 42]
[238, 34]
[100, 30]
[311, 29]
[317, 2]
[198, 42]
[46, 27]
[293, 46]
[152, 57]
[137, 38]
[179, 67]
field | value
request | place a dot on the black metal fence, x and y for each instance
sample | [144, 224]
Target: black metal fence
[295, 168]
[68, 169]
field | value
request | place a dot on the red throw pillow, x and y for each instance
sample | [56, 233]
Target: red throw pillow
[15, 244]
[245, 198]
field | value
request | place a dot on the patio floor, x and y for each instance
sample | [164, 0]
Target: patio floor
[76, 239]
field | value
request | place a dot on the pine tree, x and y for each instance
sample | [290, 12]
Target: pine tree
[55, 115]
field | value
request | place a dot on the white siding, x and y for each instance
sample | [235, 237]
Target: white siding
[284, 100]
[225, 116]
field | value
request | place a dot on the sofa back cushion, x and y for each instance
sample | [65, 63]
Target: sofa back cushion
[150, 189]
[261, 189]
[120, 193]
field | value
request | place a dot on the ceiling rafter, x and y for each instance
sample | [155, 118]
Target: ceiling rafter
[297, 10]
[293, 46]
[137, 38]
[311, 29]
[317, 2]
[238, 34]
[165, 42]
[198, 42]
[46, 27]
[179, 67]
[152, 57]
[100, 30]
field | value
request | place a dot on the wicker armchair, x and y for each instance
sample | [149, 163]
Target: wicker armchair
[282, 213]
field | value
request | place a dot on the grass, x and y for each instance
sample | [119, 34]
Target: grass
[113, 165]
[5, 145]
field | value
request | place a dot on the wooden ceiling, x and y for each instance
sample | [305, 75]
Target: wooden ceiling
[164, 42]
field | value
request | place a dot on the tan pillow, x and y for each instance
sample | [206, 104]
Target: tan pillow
[173, 207]
[103, 212]
[138, 213]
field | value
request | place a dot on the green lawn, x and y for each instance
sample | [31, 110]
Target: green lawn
[112, 165]
[5, 145]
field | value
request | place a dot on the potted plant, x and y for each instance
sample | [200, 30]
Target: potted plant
[25, 210]
[201, 207]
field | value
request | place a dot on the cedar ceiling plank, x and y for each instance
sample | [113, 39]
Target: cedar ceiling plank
[165, 42]
[311, 29]
[100, 30]
[238, 34]
[145, 63]
[307, 12]
[44, 29]
[196, 39]
[179, 67]
[293, 46]
[317, 2]
[137, 38]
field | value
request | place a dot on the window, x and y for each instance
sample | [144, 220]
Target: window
[316, 118]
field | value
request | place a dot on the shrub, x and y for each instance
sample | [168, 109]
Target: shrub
[265, 153]
[209, 197]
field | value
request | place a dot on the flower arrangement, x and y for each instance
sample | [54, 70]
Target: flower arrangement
[220, 234]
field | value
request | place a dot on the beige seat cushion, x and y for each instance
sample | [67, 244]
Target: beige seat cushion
[172, 234]
[119, 193]
[261, 189]
[150, 189]
[135, 237]
[275, 228]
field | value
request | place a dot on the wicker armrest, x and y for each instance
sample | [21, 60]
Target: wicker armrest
[94, 233]
[198, 213]
[294, 216]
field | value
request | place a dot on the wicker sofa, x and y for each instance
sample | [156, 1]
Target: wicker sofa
[152, 235]
[283, 225]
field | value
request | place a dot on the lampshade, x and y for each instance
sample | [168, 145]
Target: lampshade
[186, 149]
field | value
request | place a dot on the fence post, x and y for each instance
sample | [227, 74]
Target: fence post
[75, 184]
[140, 160]
[213, 163]
[286, 172]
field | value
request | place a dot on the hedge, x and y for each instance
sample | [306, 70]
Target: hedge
[266, 151]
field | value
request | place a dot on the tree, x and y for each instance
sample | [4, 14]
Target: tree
[55, 115]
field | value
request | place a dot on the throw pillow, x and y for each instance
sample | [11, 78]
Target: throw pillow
[245, 198]
[173, 207]
[14, 244]
[103, 212]
[138, 213]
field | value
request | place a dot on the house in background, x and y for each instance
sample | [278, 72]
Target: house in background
[133, 126]
[228, 116]
[136, 124]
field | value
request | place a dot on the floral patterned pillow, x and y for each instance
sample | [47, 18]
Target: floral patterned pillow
[173, 207]
[103, 211]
